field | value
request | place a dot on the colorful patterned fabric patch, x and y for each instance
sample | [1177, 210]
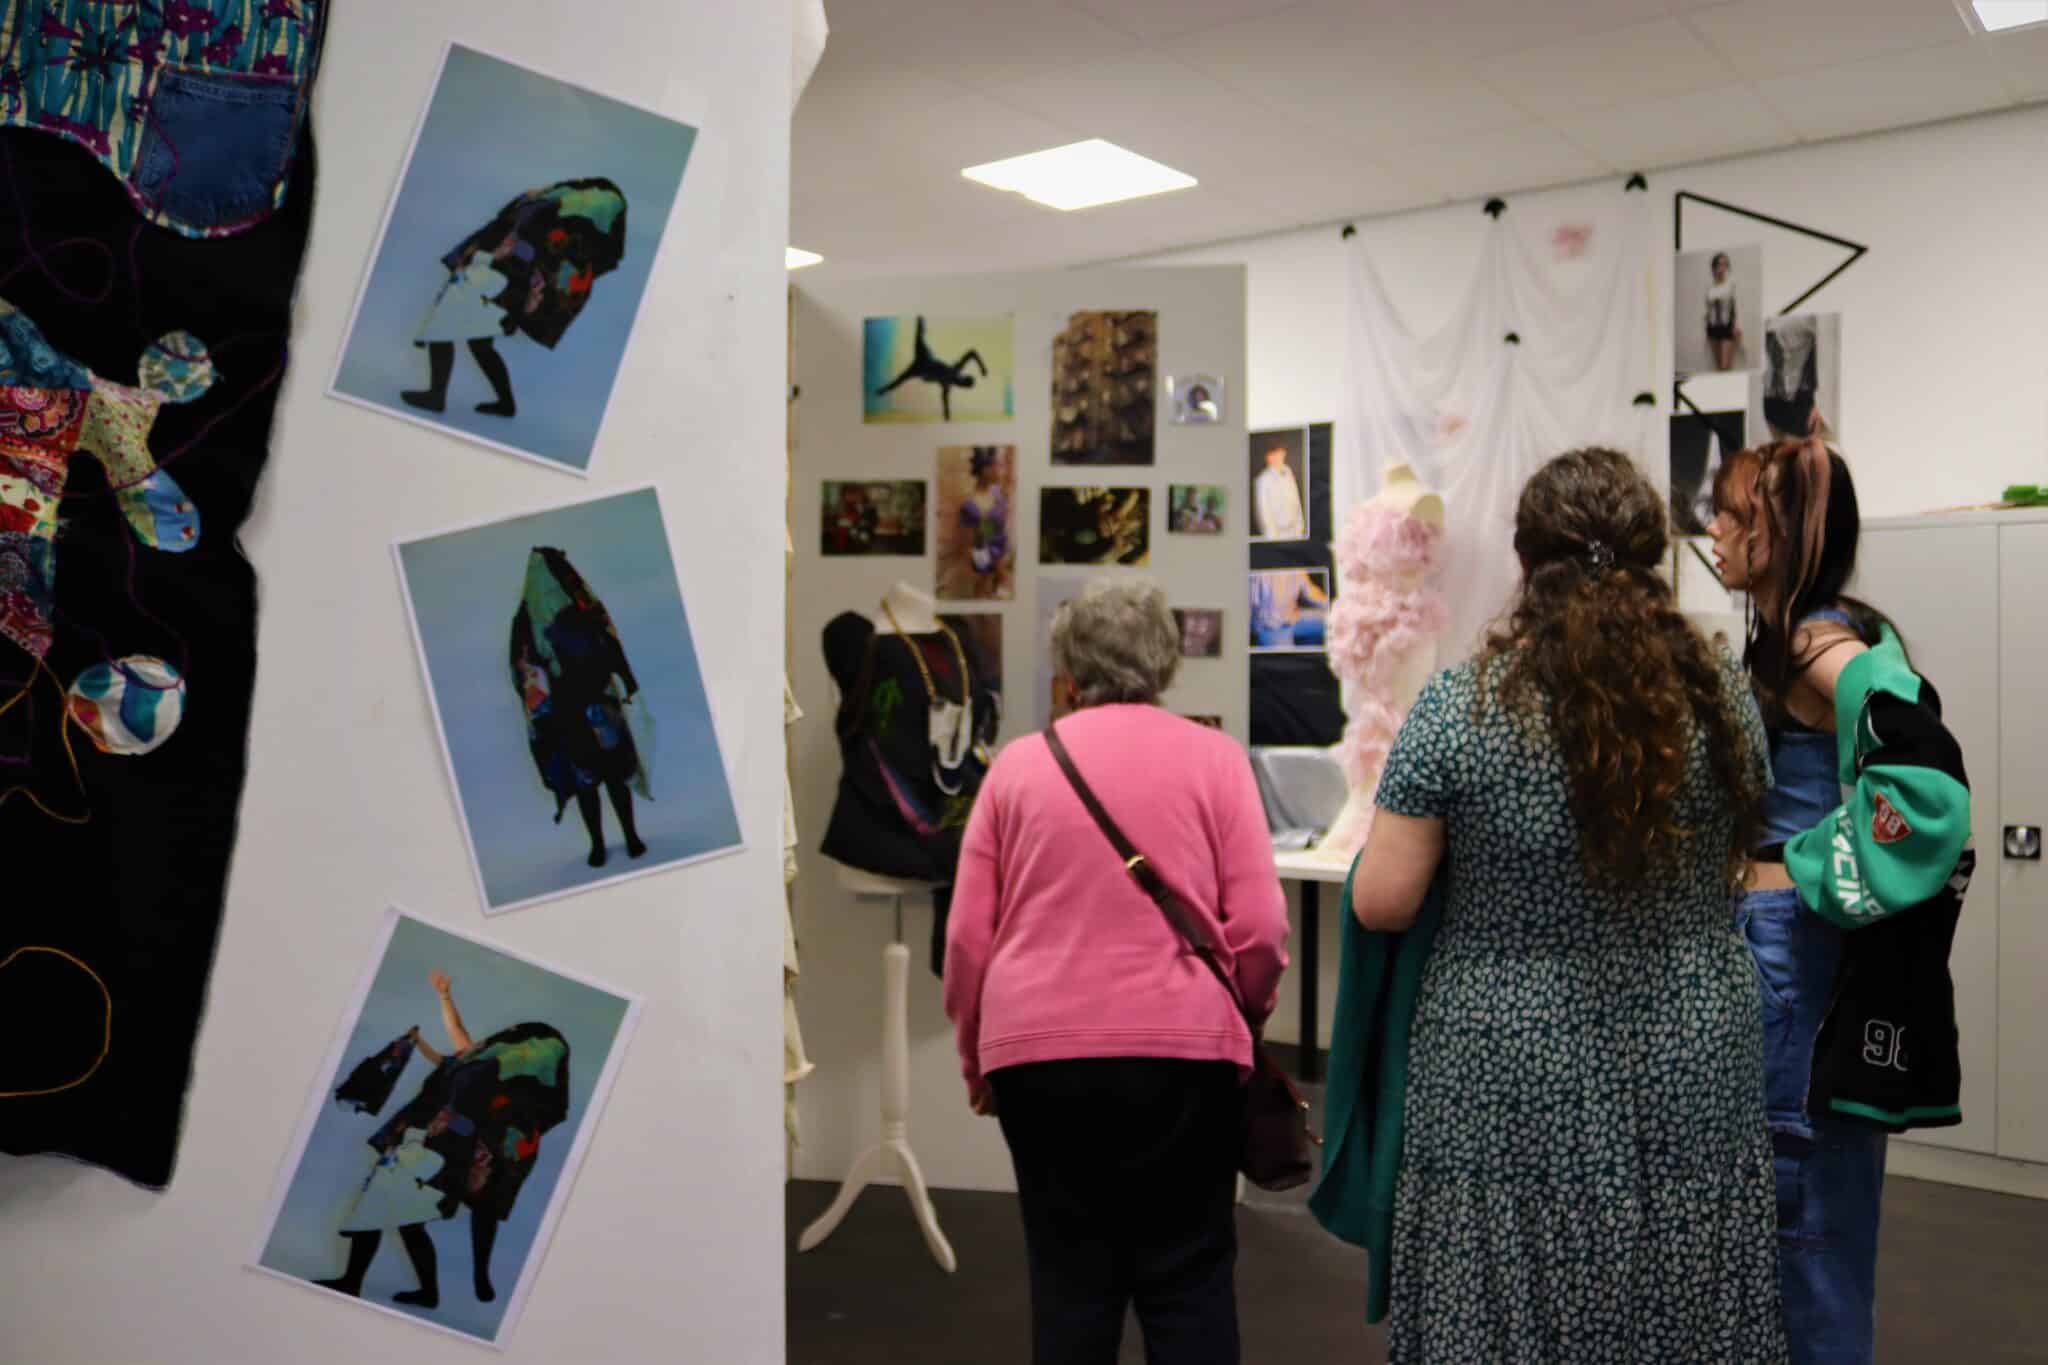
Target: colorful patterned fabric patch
[129, 707]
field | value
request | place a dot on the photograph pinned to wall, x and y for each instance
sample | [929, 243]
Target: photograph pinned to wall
[1289, 610]
[513, 260]
[1206, 722]
[1104, 382]
[1279, 474]
[1201, 632]
[453, 1109]
[977, 523]
[1196, 399]
[1054, 591]
[1094, 525]
[871, 517]
[1700, 443]
[1798, 391]
[919, 369]
[1195, 509]
[556, 648]
[1718, 310]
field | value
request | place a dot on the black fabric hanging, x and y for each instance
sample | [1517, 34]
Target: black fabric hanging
[128, 876]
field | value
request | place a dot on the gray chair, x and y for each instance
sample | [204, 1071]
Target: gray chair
[1304, 791]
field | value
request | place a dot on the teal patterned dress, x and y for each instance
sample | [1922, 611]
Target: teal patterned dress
[1586, 1175]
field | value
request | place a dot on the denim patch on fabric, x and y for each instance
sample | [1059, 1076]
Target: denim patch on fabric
[217, 148]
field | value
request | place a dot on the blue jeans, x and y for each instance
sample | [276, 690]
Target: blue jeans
[1830, 1173]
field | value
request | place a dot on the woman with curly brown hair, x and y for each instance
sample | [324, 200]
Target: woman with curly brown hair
[1585, 1171]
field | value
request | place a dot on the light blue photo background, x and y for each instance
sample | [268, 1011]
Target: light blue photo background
[465, 586]
[493, 131]
[492, 992]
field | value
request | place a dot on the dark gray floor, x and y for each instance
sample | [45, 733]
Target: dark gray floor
[1962, 1275]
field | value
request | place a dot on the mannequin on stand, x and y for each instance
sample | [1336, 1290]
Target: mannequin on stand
[906, 612]
[1383, 634]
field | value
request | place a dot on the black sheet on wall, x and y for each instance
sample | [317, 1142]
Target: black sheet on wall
[1294, 697]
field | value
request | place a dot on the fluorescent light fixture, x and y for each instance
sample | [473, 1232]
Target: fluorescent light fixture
[1080, 175]
[796, 258]
[1993, 16]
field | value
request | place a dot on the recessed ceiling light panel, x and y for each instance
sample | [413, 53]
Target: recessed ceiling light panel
[1080, 175]
[1996, 16]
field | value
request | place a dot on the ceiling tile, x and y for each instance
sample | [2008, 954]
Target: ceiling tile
[1155, 19]
[1462, 31]
[877, 121]
[2022, 59]
[977, 43]
[1642, 61]
[1765, 38]
[1671, 132]
[1493, 163]
[1891, 91]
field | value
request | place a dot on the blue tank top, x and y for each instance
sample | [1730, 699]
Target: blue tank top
[1804, 764]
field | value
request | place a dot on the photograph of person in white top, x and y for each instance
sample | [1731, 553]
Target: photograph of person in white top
[1724, 325]
[1279, 467]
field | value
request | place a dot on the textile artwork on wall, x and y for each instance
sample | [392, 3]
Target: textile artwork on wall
[563, 709]
[524, 230]
[156, 177]
[476, 1114]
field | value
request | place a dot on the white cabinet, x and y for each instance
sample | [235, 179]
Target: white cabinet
[1967, 595]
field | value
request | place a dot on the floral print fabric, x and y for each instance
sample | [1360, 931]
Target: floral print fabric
[1586, 1175]
[193, 104]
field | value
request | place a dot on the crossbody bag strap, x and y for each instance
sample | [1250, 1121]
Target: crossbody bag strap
[1143, 873]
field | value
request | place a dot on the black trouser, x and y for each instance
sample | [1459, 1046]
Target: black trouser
[1126, 1176]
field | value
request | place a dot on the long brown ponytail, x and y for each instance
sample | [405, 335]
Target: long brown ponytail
[1596, 647]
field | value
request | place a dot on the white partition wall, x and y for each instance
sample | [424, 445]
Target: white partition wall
[670, 1244]
[1201, 328]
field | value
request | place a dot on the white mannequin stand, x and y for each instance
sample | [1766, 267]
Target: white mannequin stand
[891, 1157]
[1401, 490]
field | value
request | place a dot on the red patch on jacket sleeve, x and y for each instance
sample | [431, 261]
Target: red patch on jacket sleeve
[1887, 826]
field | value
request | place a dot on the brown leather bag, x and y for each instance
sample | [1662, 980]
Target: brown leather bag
[1279, 1147]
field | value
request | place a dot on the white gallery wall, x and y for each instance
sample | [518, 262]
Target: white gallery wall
[840, 938]
[670, 1245]
[1944, 321]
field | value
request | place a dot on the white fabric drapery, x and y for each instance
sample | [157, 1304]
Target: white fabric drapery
[1473, 414]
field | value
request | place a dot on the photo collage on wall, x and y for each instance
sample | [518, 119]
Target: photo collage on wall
[1294, 696]
[1743, 378]
[1106, 398]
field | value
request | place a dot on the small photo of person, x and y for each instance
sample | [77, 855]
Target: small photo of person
[1094, 525]
[1279, 484]
[1289, 608]
[1197, 399]
[1201, 632]
[572, 709]
[1195, 509]
[451, 1114]
[977, 523]
[871, 517]
[1718, 311]
[1797, 393]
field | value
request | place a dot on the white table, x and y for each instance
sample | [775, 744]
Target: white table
[1313, 871]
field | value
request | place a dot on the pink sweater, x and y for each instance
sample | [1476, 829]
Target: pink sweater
[1054, 952]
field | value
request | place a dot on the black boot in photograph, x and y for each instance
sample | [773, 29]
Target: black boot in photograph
[362, 1249]
[493, 365]
[483, 1235]
[593, 821]
[440, 364]
[622, 805]
[425, 1264]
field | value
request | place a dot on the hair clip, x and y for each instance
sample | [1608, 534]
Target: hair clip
[1599, 554]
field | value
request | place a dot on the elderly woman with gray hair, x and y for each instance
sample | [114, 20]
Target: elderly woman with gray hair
[1109, 1052]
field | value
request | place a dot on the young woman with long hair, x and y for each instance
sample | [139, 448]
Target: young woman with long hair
[1785, 531]
[1585, 1172]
